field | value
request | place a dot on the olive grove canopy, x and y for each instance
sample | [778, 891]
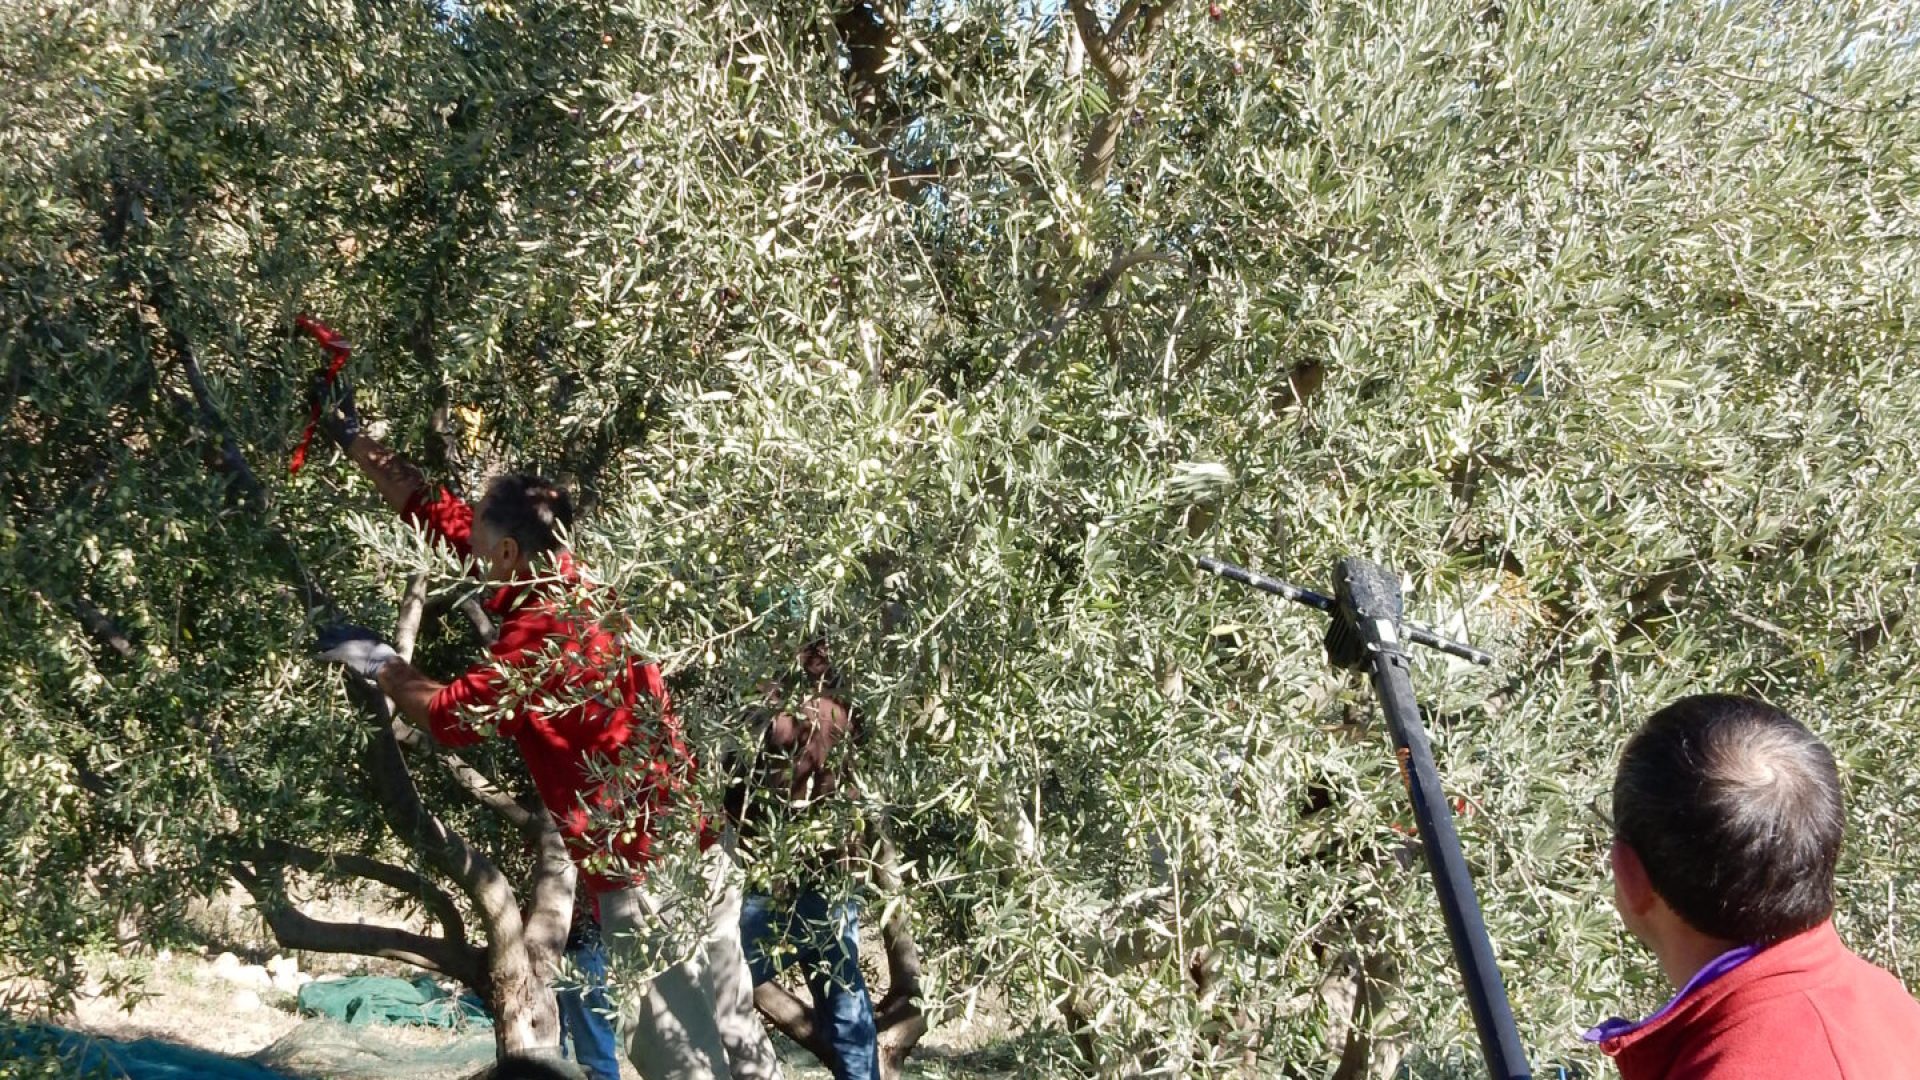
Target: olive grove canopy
[973, 323]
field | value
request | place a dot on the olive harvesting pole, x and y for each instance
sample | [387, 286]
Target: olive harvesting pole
[1366, 634]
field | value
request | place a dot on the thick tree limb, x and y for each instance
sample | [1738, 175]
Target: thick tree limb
[407, 814]
[1122, 71]
[165, 300]
[437, 902]
[444, 849]
[1129, 11]
[482, 623]
[102, 627]
[899, 1021]
[897, 1015]
[550, 906]
[872, 43]
[413, 607]
[901, 1004]
[1076, 52]
[478, 785]
[1103, 143]
[294, 929]
[792, 1017]
[97, 622]
[471, 607]
[896, 177]
[1103, 45]
[522, 950]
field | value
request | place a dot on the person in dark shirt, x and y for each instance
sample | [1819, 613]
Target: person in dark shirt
[803, 737]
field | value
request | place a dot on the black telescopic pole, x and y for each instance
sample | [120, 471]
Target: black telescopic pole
[1366, 632]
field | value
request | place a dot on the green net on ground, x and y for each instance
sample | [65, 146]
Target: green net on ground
[328, 1048]
[367, 999]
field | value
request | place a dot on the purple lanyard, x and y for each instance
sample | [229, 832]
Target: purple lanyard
[1718, 966]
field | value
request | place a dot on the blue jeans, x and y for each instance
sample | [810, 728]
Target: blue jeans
[586, 1014]
[824, 937]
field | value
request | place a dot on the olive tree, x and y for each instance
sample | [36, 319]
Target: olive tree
[180, 176]
[969, 324]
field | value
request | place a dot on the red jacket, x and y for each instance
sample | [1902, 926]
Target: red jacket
[1805, 1009]
[583, 707]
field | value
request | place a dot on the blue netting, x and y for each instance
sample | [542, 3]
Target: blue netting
[44, 1050]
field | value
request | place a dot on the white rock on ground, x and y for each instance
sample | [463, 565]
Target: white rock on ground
[245, 1001]
[228, 966]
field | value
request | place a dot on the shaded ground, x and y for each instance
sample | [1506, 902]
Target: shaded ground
[242, 1004]
[226, 988]
[193, 1001]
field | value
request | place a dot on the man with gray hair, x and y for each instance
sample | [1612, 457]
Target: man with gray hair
[1727, 828]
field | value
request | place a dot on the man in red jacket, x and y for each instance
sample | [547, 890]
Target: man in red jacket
[598, 736]
[1727, 826]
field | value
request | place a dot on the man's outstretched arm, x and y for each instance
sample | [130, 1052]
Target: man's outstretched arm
[398, 480]
[362, 652]
[411, 689]
[402, 485]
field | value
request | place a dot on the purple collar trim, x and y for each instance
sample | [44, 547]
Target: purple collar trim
[1718, 966]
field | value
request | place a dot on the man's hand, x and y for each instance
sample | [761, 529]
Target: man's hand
[355, 648]
[361, 651]
[339, 417]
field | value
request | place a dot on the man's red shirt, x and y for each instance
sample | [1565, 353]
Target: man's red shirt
[583, 706]
[1804, 1009]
